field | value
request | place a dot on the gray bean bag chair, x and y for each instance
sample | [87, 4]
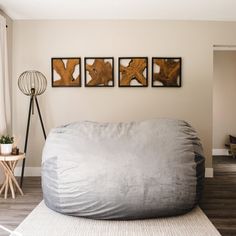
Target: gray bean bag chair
[130, 170]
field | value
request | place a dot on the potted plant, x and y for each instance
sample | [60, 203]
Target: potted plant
[6, 144]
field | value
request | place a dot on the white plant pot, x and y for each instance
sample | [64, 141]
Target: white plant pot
[6, 149]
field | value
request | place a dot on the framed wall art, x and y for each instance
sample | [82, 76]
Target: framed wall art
[66, 72]
[133, 72]
[166, 71]
[99, 71]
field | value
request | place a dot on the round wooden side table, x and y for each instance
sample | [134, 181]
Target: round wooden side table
[8, 162]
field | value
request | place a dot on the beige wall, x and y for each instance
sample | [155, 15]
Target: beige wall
[35, 42]
[224, 97]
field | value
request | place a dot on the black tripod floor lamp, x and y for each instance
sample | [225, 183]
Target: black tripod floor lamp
[32, 83]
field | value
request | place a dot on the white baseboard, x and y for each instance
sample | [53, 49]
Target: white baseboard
[209, 173]
[220, 152]
[36, 171]
[29, 171]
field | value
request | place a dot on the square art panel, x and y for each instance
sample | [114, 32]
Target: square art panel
[99, 71]
[66, 72]
[133, 72]
[166, 72]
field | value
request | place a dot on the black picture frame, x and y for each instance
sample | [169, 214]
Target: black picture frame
[56, 65]
[129, 80]
[175, 64]
[99, 62]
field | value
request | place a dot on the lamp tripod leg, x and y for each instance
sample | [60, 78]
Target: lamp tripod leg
[26, 140]
[40, 117]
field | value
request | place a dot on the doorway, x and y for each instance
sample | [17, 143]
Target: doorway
[220, 191]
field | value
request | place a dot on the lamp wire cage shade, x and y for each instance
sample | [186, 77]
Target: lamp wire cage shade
[32, 83]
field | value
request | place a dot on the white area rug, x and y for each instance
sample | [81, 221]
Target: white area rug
[44, 222]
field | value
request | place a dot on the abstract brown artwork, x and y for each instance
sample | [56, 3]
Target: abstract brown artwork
[66, 72]
[166, 72]
[133, 72]
[99, 72]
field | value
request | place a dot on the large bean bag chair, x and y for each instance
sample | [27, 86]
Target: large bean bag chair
[125, 171]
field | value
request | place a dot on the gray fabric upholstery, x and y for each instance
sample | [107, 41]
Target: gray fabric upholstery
[130, 170]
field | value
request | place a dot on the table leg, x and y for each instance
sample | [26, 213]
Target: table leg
[12, 189]
[6, 188]
[14, 165]
[13, 168]
[10, 179]
[3, 186]
[13, 178]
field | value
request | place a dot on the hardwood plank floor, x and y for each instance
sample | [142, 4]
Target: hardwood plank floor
[14, 211]
[218, 202]
[219, 196]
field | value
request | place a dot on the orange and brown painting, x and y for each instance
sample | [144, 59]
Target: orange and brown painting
[133, 72]
[166, 72]
[66, 72]
[99, 72]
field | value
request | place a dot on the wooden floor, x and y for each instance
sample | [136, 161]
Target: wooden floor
[12, 212]
[219, 199]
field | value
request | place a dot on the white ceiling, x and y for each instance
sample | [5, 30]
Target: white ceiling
[220, 10]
